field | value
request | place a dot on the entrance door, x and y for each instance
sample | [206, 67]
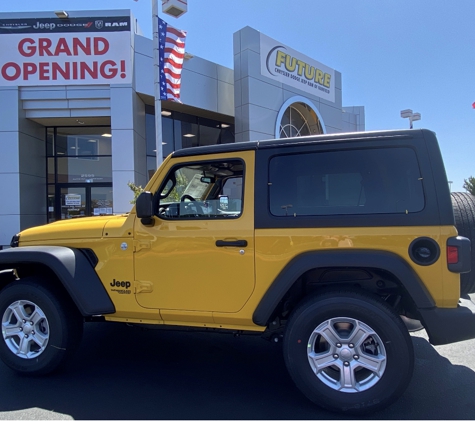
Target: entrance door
[75, 200]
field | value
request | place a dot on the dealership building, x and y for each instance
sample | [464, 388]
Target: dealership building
[78, 117]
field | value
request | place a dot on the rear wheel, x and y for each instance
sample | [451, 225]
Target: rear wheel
[348, 351]
[40, 329]
[464, 214]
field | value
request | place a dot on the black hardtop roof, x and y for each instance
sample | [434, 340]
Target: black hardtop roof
[305, 140]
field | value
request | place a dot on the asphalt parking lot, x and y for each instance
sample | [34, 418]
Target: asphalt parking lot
[123, 372]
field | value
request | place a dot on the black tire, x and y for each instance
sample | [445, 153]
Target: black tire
[57, 322]
[388, 343]
[464, 213]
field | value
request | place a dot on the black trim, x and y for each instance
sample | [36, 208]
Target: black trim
[72, 268]
[301, 141]
[91, 256]
[449, 325]
[438, 207]
[341, 259]
[239, 243]
[15, 241]
[438, 179]
[215, 149]
[464, 263]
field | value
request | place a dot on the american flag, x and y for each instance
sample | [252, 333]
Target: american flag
[171, 51]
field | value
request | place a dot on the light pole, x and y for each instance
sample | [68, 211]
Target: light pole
[408, 114]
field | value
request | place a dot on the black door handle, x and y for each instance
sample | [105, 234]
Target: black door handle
[221, 243]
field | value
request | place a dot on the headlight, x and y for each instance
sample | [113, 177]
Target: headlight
[15, 241]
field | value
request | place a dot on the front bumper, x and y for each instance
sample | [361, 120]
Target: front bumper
[446, 326]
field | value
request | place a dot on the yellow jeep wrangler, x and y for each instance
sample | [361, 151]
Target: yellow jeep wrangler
[325, 243]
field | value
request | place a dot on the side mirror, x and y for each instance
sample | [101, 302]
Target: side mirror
[144, 205]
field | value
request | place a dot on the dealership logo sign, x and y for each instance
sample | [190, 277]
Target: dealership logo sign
[290, 67]
[14, 26]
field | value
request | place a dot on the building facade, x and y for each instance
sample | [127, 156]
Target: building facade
[78, 124]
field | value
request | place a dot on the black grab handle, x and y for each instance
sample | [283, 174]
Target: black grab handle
[221, 243]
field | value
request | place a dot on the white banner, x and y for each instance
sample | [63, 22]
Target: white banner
[286, 65]
[65, 58]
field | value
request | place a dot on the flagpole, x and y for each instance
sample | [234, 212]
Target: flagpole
[156, 75]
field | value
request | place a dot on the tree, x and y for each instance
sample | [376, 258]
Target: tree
[137, 190]
[469, 185]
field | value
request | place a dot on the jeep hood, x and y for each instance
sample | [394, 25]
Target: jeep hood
[78, 228]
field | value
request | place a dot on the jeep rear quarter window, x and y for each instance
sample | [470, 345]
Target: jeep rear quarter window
[360, 181]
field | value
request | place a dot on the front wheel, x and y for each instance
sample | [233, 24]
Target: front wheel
[40, 329]
[348, 351]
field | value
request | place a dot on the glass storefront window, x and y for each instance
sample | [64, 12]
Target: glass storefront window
[49, 142]
[51, 204]
[83, 141]
[299, 120]
[101, 200]
[180, 130]
[151, 166]
[150, 134]
[209, 135]
[77, 170]
[187, 132]
[168, 145]
[51, 170]
[73, 202]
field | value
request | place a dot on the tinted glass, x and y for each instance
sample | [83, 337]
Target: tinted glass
[83, 141]
[369, 181]
[77, 170]
[203, 190]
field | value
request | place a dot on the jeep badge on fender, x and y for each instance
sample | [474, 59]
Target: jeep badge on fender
[125, 284]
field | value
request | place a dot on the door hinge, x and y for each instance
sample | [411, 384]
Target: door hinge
[141, 244]
[143, 286]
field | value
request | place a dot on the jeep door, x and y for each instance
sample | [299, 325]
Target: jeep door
[198, 256]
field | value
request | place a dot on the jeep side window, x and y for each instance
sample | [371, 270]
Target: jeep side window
[369, 181]
[204, 190]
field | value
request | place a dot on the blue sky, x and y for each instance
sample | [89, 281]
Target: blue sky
[393, 54]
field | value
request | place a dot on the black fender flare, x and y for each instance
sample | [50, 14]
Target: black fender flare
[341, 259]
[72, 268]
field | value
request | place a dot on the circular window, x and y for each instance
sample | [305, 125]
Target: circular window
[299, 119]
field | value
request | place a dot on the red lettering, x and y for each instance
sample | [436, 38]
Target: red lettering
[16, 69]
[27, 51]
[44, 45]
[29, 69]
[98, 43]
[122, 69]
[62, 47]
[85, 68]
[65, 73]
[77, 44]
[44, 71]
[108, 69]
[75, 70]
